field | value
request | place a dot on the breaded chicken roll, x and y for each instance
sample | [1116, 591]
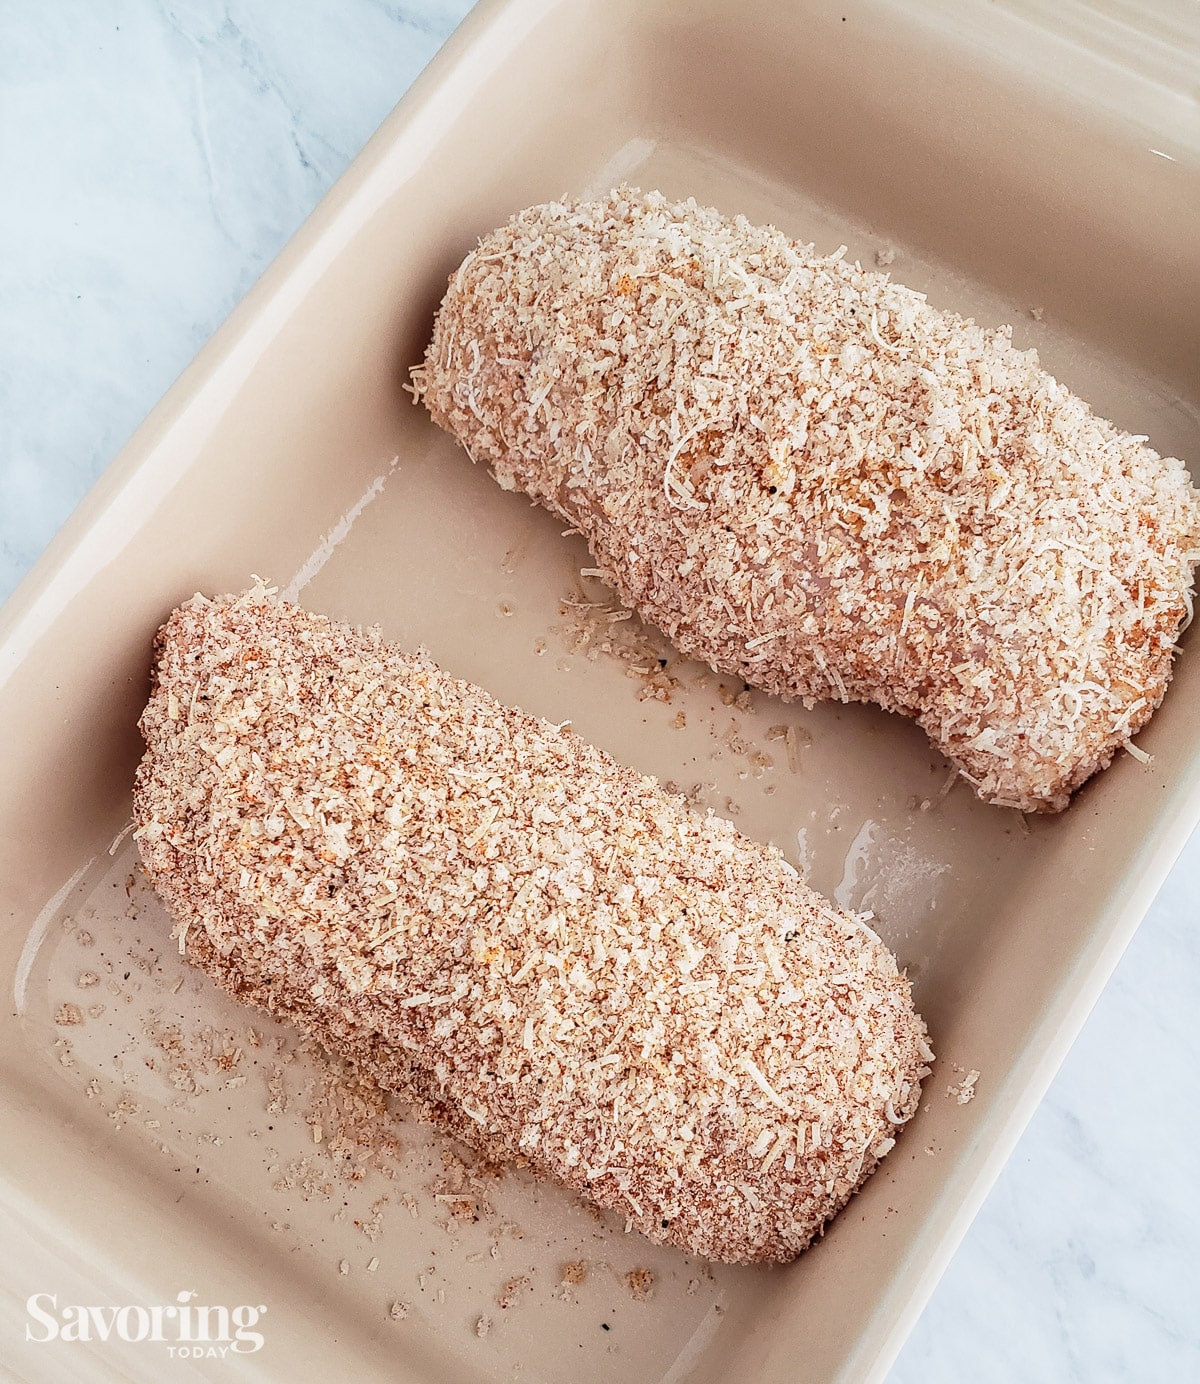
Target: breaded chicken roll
[547, 953]
[815, 482]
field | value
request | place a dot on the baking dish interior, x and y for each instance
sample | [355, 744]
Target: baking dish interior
[290, 449]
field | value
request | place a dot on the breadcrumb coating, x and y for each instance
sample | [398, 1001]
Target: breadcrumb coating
[816, 482]
[548, 954]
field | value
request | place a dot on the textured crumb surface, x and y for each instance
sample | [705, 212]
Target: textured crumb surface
[811, 479]
[544, 951]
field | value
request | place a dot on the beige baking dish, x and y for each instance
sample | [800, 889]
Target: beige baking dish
[1012, 177]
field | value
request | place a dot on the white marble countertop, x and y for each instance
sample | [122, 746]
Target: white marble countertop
[155, 156]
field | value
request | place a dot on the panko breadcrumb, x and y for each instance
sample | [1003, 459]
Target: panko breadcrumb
[543, 950]
[816, 482]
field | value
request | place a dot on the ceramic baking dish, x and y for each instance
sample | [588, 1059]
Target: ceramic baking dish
[155, 1140]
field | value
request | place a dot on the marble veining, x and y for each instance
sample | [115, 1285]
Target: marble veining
[155, 157]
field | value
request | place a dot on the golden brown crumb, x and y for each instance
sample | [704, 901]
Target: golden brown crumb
[543, 950]
[511, 1291]
[460, 1208]
[964, 1091]
[640, 1283]
[575, 1272]
[68, 1015]
[822, 486]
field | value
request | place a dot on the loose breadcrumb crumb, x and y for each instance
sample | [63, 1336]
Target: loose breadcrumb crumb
[592, 627]
[640, 1283]
[512, 1290]
[964, 1091]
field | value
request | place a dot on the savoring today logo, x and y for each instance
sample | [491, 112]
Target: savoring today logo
[188, 1330]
